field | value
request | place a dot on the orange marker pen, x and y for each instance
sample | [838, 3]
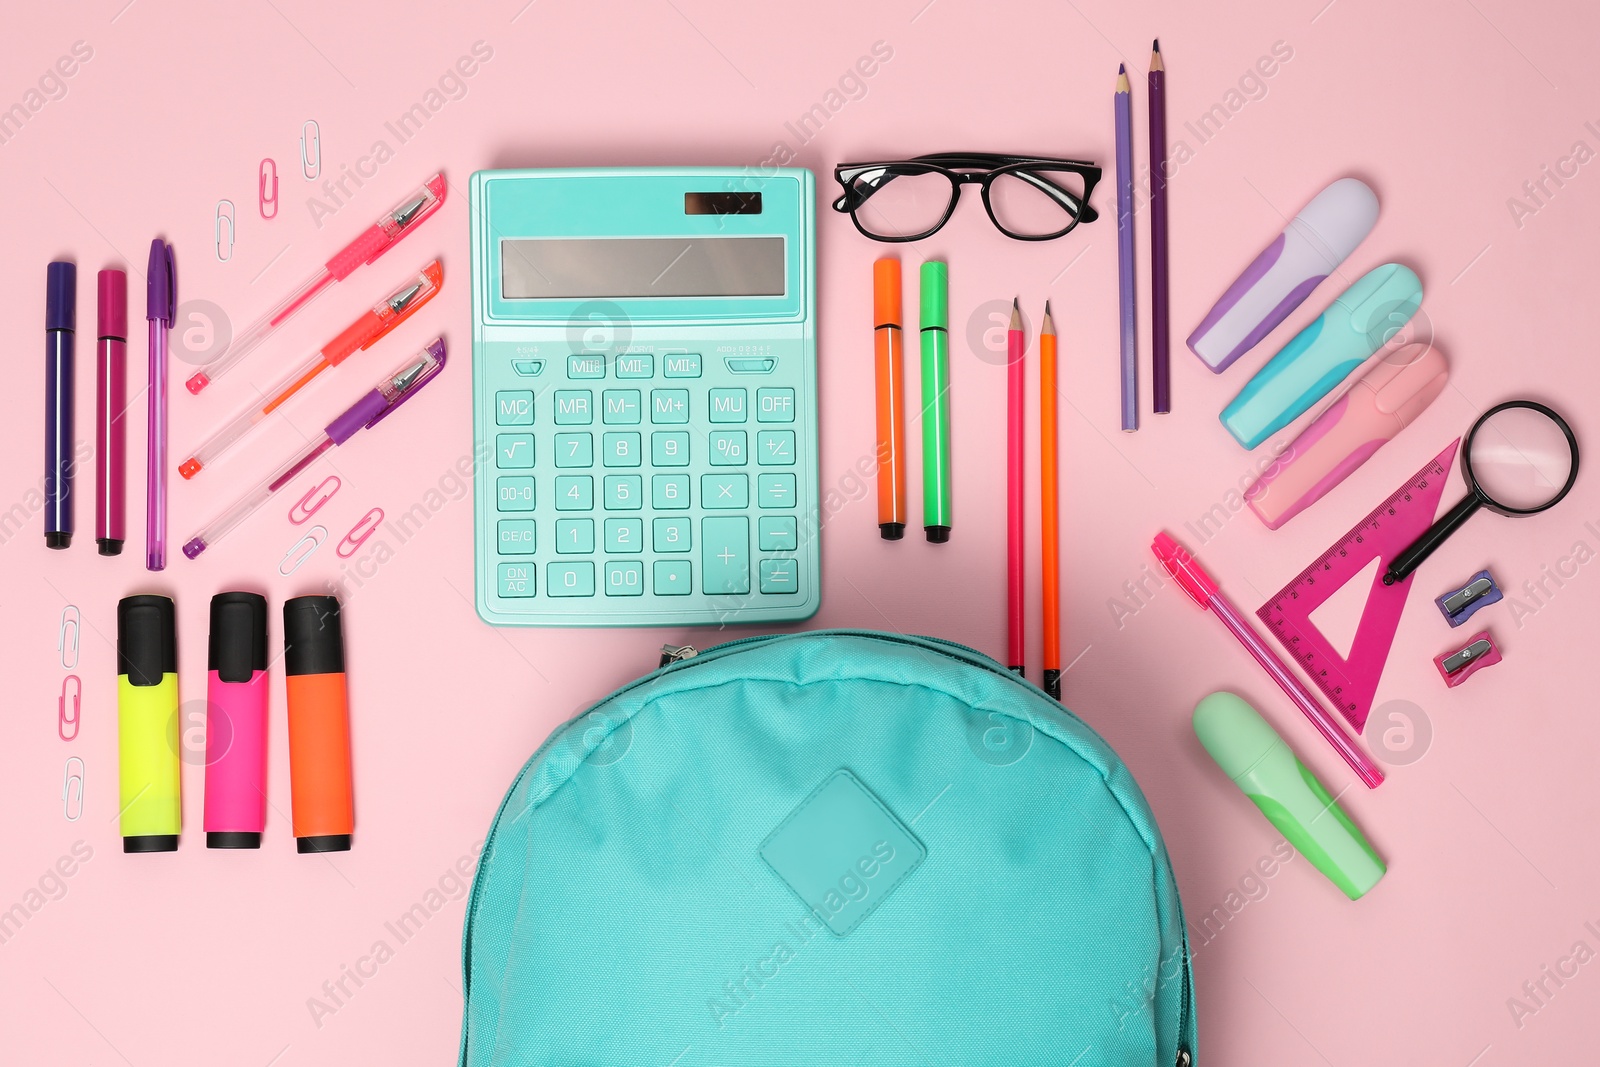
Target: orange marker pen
[891, 389]
[321, 792]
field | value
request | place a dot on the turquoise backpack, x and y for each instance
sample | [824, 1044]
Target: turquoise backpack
[829, 849]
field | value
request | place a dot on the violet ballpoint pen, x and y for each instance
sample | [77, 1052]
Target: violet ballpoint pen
[161, 305]
[387, 396]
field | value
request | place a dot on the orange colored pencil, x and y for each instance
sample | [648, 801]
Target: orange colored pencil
[1050, 539]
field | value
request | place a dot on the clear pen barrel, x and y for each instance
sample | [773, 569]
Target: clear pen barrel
[259, 331]
[246, 505]
[215, 446]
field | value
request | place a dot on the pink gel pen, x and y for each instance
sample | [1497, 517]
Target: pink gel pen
[236, 721]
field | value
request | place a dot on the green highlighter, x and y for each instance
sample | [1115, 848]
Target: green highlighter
[935, 323]
[1251, 753]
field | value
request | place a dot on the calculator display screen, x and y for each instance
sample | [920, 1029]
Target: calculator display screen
[565, 267]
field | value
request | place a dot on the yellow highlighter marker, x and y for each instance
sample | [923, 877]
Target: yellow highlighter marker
[147, 724]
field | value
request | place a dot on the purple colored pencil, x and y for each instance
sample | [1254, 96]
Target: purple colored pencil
[1130, 355]
[1160, 362]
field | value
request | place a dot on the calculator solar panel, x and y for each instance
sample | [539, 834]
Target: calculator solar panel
[644, 397]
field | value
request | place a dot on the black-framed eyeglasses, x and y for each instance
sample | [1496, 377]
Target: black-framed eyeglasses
[1028, 198]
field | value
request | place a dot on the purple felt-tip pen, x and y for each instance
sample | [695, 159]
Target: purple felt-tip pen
[161, 306]
[60, 323]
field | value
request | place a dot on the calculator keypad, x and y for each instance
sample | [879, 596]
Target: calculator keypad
[667, 480]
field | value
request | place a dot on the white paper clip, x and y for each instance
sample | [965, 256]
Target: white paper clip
[67, 636]
[225, 222]
[71, 697]
[364, 528]
[311, 150]
[302, 550]
[72, 790]
[267, 189]
[301, 510]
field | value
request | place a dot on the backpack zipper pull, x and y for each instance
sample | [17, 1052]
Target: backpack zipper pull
[1184, 1059]
[671, 654]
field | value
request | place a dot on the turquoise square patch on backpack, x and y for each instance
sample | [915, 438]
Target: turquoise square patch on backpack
[826, 849]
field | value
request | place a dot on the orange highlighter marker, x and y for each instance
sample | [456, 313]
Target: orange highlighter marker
[890, 364]
[321, 791]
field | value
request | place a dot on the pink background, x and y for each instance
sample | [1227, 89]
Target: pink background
[211, 957]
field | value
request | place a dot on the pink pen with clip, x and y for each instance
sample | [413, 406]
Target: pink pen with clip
[1378, 405]
[1202, 589]
[377, 239]
[378, 404]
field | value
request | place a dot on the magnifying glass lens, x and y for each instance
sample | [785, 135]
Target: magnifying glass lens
[1520, 459]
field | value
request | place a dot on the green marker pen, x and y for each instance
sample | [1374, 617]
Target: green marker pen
[1251, 753]
[935, 323]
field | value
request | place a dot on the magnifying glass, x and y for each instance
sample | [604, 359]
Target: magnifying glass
[1520, 458]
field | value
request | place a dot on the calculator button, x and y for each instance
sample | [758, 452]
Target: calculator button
[776, 533]
[569, 579]
[636, 365]
[621, 406]
[624, 492]
[516, 537]
[669, 491]
[751, 366]
[513, 407]
[671, 534]
[575, 492]
[586, 366]
[515, 494]
[624, 535]
[515, 579]
[574, 536]
[780, 576]
[681, 365]
[720, 492]
[625, 578]
[669, 405]
[620, 450]
[574, 407]
[670, 448]
[513, 450]
[775, 448]
[671, 577]
[574, 449]
[774, 405]
[725, 555]
[775, 490]
[727, 405]
[727, 448]
[528, 368]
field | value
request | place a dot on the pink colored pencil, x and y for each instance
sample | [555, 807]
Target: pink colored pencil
[1016, 347]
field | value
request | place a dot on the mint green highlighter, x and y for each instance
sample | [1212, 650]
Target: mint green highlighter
[644, 403]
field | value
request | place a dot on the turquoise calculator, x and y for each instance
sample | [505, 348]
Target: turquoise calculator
[644, 401]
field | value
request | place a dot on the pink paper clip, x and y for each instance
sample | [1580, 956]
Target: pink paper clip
[267, 189]
[71, 695]
[364, 528]
[1456, 667]
[301, 510]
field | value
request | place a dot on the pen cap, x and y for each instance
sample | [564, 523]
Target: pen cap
[1251, 753]
[1337, 219]
[238, 645]
[935, 294]
[1406, 380]
[313, 637]
[112, 303]
[147, 639]
[61, 296]
[886, 306]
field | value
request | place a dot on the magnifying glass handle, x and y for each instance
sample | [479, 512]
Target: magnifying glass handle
[1401, 566]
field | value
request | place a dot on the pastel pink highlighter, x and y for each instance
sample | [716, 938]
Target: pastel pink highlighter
[1372, 410]
[236, 722]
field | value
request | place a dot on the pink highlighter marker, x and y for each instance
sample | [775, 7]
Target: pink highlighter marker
[1374, 408]
[236, 722]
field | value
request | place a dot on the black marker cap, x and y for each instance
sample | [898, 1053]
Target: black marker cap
[238, 636]
[891, 531]
[313, 638]
[232, 839]
[109, 546]
[147, 640]
[151, 843]
[938, 535]
[325, 843]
